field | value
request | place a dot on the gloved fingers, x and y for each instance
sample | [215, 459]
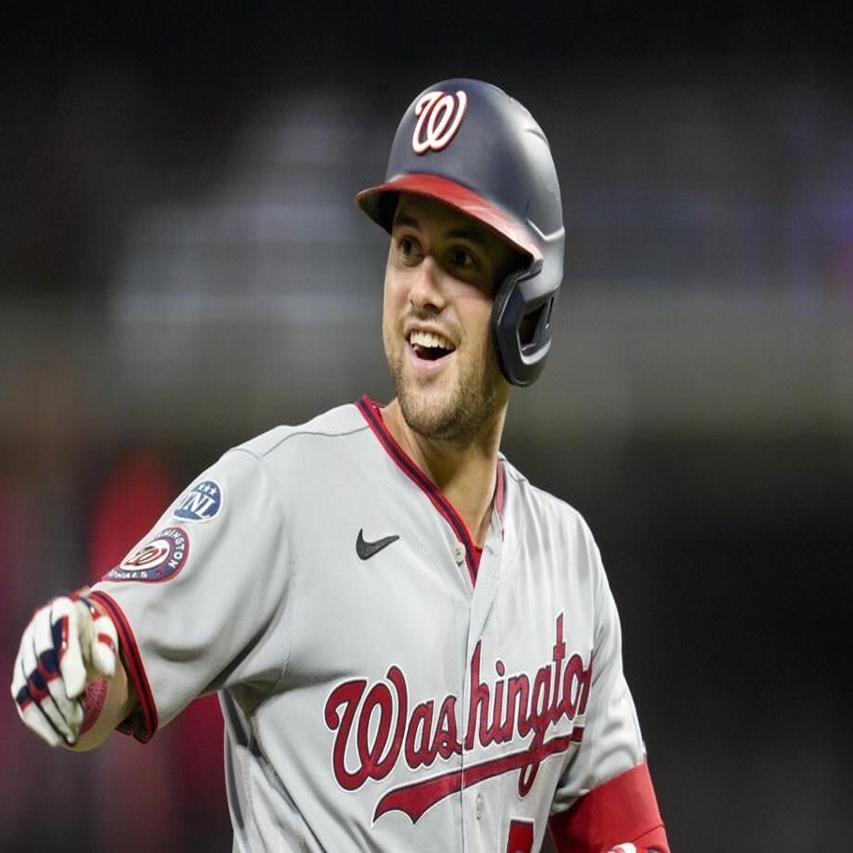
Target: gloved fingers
[47, 640]
[28, 710]
[67, 644]
[37, 705]
[33, 718]
[104, 650]
[69, 621]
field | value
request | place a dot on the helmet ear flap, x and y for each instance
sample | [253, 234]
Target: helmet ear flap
[521, 324]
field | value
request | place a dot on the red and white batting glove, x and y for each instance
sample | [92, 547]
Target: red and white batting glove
[68, 645]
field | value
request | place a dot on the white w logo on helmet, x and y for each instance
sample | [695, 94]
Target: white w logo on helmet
[439, 116]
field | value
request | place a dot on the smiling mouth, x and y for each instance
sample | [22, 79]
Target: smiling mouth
[429, 346]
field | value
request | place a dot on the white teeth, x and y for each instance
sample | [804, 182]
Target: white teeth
[428, 339]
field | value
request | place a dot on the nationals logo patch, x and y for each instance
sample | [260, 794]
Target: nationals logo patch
[439, 116]
[157, 560]
[201, 503]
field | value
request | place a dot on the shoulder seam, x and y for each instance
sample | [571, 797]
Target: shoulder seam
[548, 497]
[302, 433]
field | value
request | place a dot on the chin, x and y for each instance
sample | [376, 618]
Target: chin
[454, 411]
[429, 412]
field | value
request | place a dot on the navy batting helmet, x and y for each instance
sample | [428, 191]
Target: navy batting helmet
[470, 145]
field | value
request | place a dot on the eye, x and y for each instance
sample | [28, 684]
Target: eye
[462, 258]
[408, 248]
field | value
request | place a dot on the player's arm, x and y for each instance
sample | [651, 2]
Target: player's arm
[69, 683]
[606, 800]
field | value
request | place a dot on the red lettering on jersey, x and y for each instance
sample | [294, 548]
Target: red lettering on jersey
[376, 726]
[446, 739]
[347, 694]
[420, 727]
[478, 707]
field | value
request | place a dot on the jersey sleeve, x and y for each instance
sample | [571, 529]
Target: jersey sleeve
[195, 601]
[605, 797]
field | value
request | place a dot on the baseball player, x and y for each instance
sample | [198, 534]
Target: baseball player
[415, 649]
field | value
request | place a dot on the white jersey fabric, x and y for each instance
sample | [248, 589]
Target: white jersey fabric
[380, 691]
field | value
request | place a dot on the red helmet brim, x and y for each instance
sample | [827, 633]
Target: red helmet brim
[456, 196]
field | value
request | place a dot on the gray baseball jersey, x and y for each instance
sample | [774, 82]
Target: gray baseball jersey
[383, 688]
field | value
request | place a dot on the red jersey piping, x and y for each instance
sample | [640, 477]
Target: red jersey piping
[370, 410]
[133, 661]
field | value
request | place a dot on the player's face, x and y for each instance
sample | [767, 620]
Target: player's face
[442, 272]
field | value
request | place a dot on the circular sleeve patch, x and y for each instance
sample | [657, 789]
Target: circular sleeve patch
[159, 559]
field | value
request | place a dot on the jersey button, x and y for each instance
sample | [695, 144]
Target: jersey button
[478, 806]
[459, 553]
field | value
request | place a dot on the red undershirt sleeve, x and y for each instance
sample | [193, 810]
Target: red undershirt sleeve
[617, 812]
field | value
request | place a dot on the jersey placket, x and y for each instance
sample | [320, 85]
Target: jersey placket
[484, 575]
[478, 831]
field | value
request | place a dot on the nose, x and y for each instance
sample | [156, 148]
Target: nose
[426, 293]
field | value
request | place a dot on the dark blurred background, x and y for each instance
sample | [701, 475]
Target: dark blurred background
[182, 267]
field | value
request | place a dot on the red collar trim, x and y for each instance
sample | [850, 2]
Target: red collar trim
[370, 410]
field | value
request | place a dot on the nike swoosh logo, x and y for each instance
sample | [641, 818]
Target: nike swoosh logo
[366, 550]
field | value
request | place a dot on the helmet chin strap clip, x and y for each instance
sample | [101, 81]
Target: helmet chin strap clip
[521, 324]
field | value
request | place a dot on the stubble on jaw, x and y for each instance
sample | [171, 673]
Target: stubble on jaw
[457, 416]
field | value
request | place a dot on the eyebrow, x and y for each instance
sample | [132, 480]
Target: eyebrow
[473, 235]
[405, 219]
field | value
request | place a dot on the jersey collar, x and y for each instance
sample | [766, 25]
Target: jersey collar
[371, 411]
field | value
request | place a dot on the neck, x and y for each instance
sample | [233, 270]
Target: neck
[465, 472]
